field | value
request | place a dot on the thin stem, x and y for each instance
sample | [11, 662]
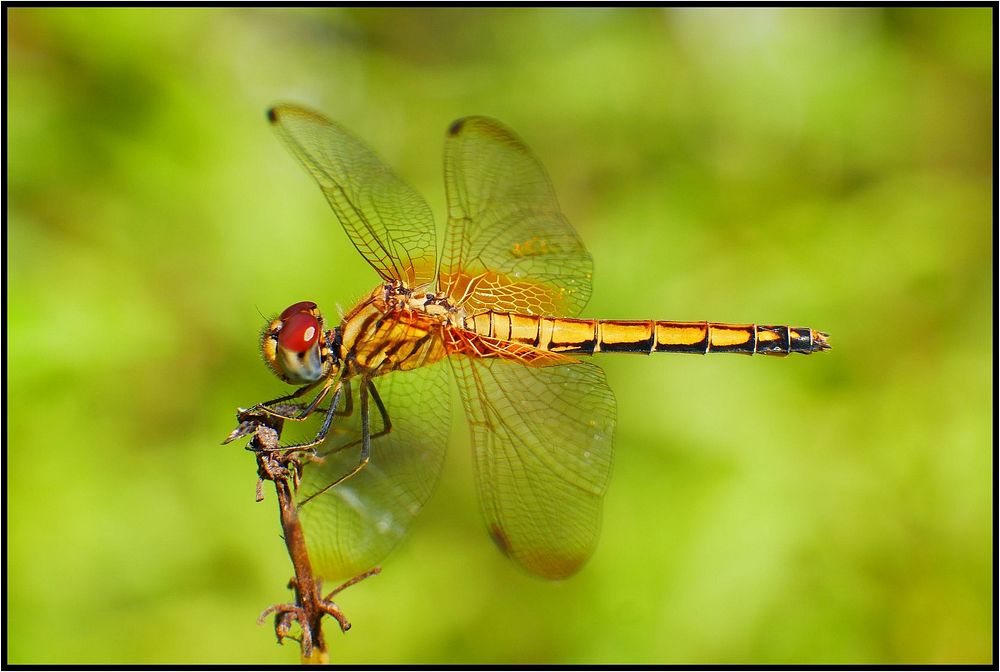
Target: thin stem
[284, 469]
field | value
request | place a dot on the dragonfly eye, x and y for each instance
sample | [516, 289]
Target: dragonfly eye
[299, 333]
[300, 307]
[292, 344]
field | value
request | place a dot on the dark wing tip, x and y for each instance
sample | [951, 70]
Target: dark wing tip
[499, 538]
[272, 115]
[456, 126]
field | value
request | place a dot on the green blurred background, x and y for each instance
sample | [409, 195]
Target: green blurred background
[824, 167]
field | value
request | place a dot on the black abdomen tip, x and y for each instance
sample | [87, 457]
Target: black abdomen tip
[456, 127]
[272, 115]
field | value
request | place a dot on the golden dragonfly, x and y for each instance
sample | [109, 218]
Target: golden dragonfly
[495, 307]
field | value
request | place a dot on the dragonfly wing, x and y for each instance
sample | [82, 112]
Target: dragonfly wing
[389, 223]
[542, 438]
[353, 526]
[508, 246]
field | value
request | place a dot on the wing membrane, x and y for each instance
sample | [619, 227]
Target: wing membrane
[353, 526]
[542, 438]
[508, 246]
[389, 223]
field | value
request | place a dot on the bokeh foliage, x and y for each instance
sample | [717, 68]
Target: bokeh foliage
[827, 167]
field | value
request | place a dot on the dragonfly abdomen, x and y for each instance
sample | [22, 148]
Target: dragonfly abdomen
[588, 337]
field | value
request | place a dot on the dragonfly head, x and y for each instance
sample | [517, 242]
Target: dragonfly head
[294, 345]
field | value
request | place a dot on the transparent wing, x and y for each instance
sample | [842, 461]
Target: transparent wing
[389, 223]
[353, 526]
[542, 438]
[508, 247]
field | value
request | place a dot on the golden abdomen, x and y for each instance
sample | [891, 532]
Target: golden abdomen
[589, 337]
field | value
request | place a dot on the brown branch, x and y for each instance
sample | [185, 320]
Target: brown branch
[284, 469]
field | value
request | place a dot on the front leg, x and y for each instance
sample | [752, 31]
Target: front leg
[269, 406]
[331, 412]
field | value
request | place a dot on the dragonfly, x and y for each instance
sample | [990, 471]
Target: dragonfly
[495, 308]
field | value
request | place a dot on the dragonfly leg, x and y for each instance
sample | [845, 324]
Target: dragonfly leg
[386, 422]
[367, 388]
[324, 429]
[304, 412]
[288, 397]
[312, 406]
[348, 405]
[276, 408]
[348, 400]
[329, 412]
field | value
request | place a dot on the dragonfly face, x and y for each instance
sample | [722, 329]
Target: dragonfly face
[496, 312]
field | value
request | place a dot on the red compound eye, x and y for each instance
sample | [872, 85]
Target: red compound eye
[300, 307]
[300, 331]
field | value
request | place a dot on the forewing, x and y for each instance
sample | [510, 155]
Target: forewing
[508, 247]
[353, 526]
[542, 439]
[389, 223]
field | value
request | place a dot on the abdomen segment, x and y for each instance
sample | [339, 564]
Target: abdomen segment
[588, 337]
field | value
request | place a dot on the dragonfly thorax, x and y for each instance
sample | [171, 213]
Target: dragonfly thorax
[394, 328]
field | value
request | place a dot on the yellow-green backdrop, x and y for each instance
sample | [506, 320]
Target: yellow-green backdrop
[825, 167]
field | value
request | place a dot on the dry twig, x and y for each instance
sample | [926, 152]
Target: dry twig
[284, 469]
